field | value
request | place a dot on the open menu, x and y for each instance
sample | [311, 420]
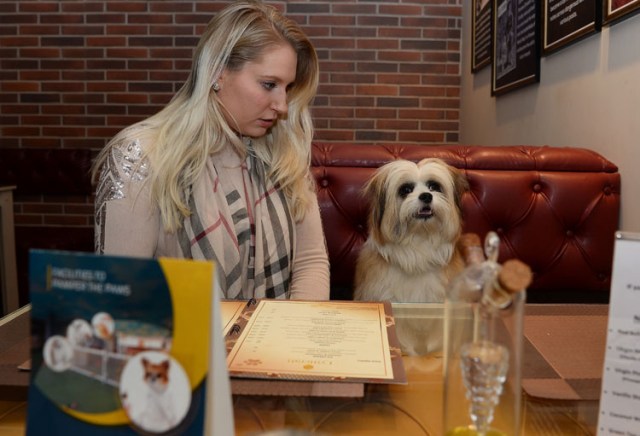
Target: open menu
[337, 341]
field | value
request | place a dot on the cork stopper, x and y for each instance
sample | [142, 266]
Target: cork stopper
[471, 248]
[514, 276]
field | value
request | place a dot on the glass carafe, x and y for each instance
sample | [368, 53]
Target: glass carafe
[483, 332]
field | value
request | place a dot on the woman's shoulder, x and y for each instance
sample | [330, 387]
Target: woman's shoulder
[123, 165]
[129, 153]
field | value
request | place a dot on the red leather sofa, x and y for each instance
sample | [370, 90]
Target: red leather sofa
[554, 208]
[55, 181]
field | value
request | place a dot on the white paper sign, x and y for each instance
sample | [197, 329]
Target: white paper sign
[620, 396]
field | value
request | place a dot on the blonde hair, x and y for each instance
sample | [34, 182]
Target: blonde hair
[192, 126]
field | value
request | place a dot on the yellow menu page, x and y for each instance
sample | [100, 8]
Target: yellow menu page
[230, 310]
[303, 339]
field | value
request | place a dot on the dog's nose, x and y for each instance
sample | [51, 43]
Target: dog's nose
[426, 197]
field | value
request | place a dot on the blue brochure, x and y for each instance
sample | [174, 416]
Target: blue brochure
[119, 345]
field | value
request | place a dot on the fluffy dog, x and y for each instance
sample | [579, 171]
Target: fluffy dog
[414, 225]
[159, 412]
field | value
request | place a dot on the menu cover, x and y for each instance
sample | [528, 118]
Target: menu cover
[121, 345]
[331, 341]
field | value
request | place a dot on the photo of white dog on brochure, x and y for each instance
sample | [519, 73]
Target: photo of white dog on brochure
[155, 391]
[411, 253]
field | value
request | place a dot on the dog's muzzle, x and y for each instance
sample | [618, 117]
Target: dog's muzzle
[425, 211]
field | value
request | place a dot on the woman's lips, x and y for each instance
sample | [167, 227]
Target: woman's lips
[266, 123]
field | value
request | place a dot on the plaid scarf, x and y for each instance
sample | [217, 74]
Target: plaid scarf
[250, 236]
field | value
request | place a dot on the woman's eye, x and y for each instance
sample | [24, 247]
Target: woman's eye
[268, 85]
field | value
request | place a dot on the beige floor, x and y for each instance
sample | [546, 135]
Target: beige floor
[13, 415]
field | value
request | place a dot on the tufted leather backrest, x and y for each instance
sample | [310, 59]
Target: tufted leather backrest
[554, 208]
[48, 171]
[49, 175]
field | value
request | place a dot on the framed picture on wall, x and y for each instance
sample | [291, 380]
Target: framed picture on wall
[516, 45]
[480, 34]
[564, 22]
[615, 10]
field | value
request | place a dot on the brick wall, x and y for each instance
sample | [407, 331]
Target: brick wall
[73, 73]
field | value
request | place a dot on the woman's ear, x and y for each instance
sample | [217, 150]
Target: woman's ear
[221, 77]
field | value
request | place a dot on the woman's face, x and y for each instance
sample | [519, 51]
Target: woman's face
[254, 97]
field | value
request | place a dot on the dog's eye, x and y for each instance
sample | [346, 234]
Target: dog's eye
[434, 186]
[405, 190]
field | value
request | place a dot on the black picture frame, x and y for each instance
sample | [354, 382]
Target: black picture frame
[566, 22]
[481, 34]
[516, 45]
[617, 10]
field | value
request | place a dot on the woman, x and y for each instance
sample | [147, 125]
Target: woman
[222, 172]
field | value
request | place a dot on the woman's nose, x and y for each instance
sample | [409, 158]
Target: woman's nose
[280, 104]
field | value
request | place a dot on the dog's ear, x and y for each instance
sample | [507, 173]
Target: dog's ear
[375, 192]
[460, 184]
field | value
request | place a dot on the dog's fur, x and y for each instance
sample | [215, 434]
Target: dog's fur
[415, 222]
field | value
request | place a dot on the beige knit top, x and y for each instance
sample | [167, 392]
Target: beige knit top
[130, 224]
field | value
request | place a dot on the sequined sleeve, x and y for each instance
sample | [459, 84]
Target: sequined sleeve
[124, 219]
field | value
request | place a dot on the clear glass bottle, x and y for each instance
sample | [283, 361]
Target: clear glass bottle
[483, 332]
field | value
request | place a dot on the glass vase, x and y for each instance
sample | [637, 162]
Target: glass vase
[483, 331]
